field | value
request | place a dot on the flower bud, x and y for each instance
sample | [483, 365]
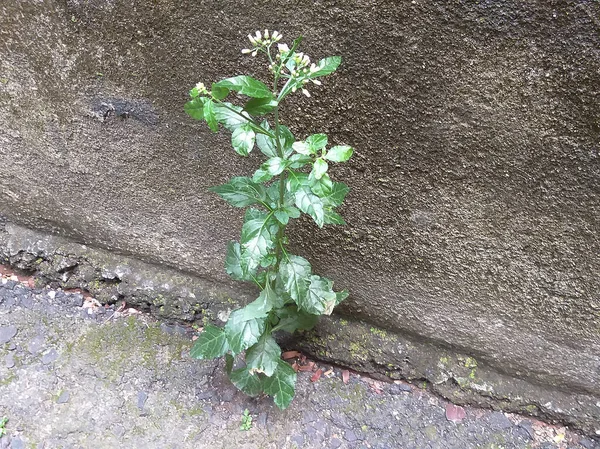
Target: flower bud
[275, 35]
[245, 51]
[317, 82]
[305, 92]
[294, 89]
[278, 38]
[254, 53]
[251, 39]
[283, 48]
[266, 35]
[313, 68]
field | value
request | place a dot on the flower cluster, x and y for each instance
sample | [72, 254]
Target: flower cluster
[261, 40]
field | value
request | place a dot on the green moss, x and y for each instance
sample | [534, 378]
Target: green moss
[358, 352]
[531, 408]
[8, 379]
[343, 322]
[470, 362]
[379, 332]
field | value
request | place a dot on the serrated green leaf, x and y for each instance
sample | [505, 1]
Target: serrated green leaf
[316, 142]
[264, 356]
[195, 108]
[228, 118]
[242, 139]
[286, 139]
[245, 85]
[242, 333]
[340, 153]
[326, 66]
[266, 144]
[335, 196]
[310, 204]
[261, 306]
[244, 380]
[260, 106]
[281, 385]
[234, 264]
[282, 216]
[211, 343]
[302, 148]
[209, 116]
[241, 192]
[299, 160]
[258, 236]
[291, 319]
[340, 296]
[320, 187]
[319, 168]
[272, 167]
[294, 275]
[332, 217]
[319, 296]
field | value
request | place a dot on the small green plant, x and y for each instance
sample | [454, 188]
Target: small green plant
[3, 423]
[246, 423]
[293, 180]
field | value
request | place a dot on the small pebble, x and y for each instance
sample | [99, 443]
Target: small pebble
[7, 332]
[63, 398]
[9, 361]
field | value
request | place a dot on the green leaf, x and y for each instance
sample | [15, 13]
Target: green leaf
[319, 297]
[272, 167]
[340, 296]
[219, 92]
[241, 192]
[194, 92]
[245, 85]
[326, 66]
[261, 306]
[299, 160]
[286, 139]
[302, 148]
[228, 118]
[294, 275]
[242, 333]
[332, 217]
[281, 384]
[260, 106]
[283, 215]
[266, 144]
[234, 264]
[335, 196]
[319, 168]
[195, 108]
[248, 382]
[340, 153]
[264, 356]
[211, 343]
[258, 236]
[209, 115]
[242, 139]
[310, 204]
[320, 187]
[291, 319]
[316, 142]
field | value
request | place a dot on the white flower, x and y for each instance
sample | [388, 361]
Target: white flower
[283, 48]
[201, 87]
[313, 68]
[254, 53]
[258, 36]
[251, 39]
[317, 82]
[245, 51]
[305, 92]
[266, 35]
[305, 60]
[294, 89]
[276, 36]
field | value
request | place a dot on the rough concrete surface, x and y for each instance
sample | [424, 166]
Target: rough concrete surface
[475, 208]
[75, 375]
[366, 348]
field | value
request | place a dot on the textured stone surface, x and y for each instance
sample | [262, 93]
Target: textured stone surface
[124, 382]
[474, 214]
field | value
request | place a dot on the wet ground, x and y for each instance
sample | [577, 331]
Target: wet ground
[74, 374]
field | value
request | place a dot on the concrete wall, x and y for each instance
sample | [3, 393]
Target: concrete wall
[474, 213]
